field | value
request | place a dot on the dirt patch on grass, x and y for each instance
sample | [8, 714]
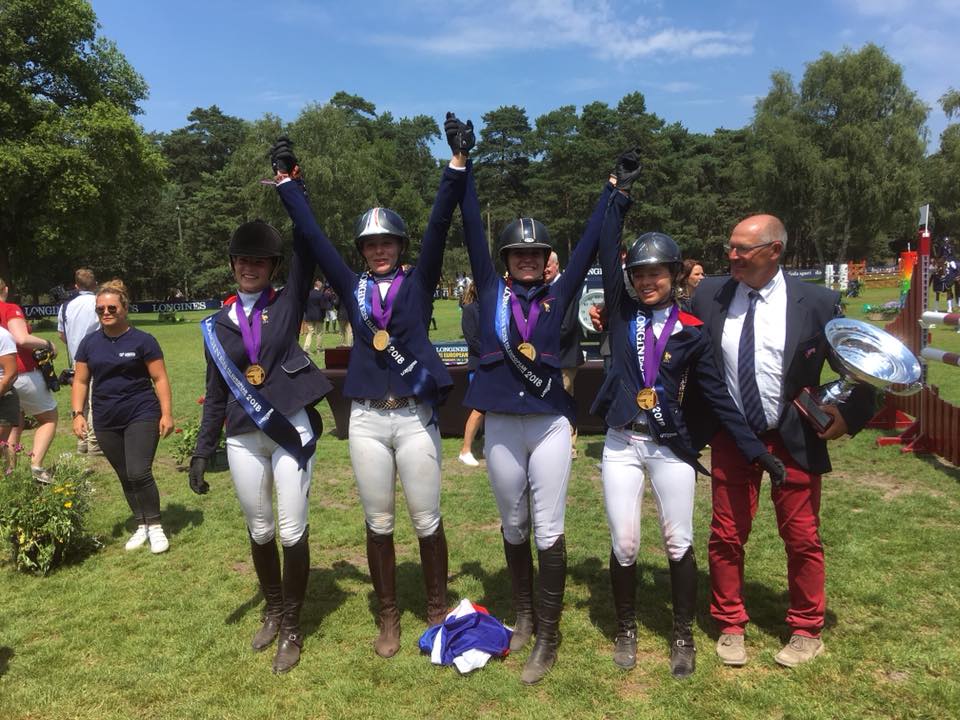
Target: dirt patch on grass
[241, 566]
[887, 487]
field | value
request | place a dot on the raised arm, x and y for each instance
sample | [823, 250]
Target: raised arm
[611, 233]
[484, 274]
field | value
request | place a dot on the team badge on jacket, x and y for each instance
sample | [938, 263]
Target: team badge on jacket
[545, 305]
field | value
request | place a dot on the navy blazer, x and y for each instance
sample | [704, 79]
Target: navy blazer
[809, 309]
[369, 374]
[470, 327]
[293, 382]
[497, 387]
[687, 355]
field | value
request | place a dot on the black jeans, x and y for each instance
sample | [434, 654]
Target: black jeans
[130, 452]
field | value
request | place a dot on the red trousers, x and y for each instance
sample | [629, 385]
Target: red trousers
[736, 488]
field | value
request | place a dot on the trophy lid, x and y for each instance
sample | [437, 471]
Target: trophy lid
[873, 356]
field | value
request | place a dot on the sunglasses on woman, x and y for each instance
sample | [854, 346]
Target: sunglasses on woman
[107, 309]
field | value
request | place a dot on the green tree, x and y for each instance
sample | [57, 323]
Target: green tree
[942, 171]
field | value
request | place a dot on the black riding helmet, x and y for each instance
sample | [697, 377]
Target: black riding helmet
[524, 233]
[256, 239]
[654, 248]
[380, 221]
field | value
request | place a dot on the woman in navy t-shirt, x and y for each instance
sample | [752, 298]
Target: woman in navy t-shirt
[131, 406]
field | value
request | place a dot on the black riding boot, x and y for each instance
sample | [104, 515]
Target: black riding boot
[624, 583]
[683, 585]
[433, 560]
[553, 577]
[382, 560]
[266, 562]
[296, 571]
[520, 565]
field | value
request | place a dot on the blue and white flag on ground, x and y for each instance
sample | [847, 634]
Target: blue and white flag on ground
[467, 638]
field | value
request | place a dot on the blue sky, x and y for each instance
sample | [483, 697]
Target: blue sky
[702, 64]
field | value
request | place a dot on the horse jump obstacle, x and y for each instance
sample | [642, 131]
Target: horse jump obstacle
[935, 427]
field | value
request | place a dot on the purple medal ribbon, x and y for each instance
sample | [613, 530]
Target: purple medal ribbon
[651, 360]
[525, 325]
[250, 329]
[383, 310]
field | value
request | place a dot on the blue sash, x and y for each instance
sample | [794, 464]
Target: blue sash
[274, 424]
[530, 372]
[399, 358]
[656, 417]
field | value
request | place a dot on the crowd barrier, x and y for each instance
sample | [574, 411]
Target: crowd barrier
[929, 423]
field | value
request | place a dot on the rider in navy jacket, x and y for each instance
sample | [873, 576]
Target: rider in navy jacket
[368, 373]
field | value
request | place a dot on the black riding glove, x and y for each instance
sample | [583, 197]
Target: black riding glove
[281, 156]
[198, 466]
[774, 466]
[460, 136]
[628, 169]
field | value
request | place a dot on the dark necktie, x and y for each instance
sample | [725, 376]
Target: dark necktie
[746, 372]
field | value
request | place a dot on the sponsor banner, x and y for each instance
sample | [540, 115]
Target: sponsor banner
[452, 353]
[148, 306]
[804, 273]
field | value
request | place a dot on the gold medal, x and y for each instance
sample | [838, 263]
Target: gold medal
[255, 375]
[647, 399]
[527, 350]
[381, 338]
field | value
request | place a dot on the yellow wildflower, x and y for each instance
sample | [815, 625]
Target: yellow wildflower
[68, 504]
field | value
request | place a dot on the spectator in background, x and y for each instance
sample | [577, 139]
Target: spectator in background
[9, 404]
[571, 358]
[35, 398]
[313, 316]
[470, 326]
[132, 408]
[690, 277]
[330, 313]
[76, 319]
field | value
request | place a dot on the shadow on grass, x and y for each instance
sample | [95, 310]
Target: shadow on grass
[595, 448]
[497, 597]
[176, 518]
[324, 596]
[411, 592]
[6, 653]
[766, 606]
[941, 466]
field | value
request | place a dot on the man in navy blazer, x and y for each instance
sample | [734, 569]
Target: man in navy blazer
[772, 325]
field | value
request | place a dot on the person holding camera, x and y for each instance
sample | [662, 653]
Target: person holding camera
[31, 385]
[395, 379]
[76, 319]
[132, 406]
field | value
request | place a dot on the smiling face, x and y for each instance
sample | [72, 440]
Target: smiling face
[382, 253]
[754, 250]
[652, 283]
[252, 273]
[696, 275]
[526, 265]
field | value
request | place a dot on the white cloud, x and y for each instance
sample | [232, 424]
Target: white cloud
[905, 8]
[600, 27]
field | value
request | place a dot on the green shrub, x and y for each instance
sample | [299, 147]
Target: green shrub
[43, 525]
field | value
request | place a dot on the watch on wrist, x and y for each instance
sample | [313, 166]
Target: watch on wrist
[77, 413]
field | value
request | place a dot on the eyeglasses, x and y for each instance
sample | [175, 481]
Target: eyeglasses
[107, 309]
[746, 251]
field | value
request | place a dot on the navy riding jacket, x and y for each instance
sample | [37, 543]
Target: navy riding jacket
[687, 361]
[497, 386]
[369, 373]
[292, 381]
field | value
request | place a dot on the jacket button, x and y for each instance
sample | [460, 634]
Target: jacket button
[520, 393]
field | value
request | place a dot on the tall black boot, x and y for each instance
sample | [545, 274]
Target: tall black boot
[433, 560]
[624, 583]
[520, 564]
[553, 578]
[296, 571]
[266, 562]
[683, 586]
[382, 560]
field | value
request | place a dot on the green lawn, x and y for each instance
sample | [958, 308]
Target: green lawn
[130, 635]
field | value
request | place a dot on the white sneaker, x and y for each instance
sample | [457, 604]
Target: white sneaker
[467, 458]
[158, 541]
[137, 539]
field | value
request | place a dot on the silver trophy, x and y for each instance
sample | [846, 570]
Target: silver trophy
[868, 355]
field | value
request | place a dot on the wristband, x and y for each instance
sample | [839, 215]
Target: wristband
[77, 413]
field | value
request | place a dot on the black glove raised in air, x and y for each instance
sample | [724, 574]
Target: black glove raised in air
[628, 169]
[460, 136]
[282, 158]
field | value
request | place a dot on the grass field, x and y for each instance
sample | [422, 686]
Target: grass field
[130, 635]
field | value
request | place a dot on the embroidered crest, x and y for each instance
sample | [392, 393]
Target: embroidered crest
[666, 357]
[545, 305]
[263, 317]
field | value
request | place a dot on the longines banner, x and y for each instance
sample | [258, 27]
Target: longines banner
[150, 306]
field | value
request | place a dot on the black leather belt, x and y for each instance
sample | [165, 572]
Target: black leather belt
[391, 403]
[637, 427]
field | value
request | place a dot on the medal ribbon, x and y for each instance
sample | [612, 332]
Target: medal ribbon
[276, 426]
[250, 329]
[383, 310]
[650, 362]
[525, 325]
